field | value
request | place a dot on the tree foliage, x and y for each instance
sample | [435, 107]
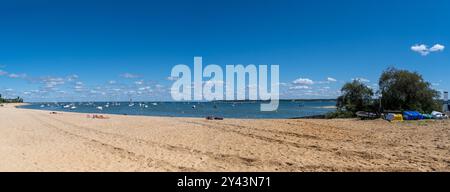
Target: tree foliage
[404, 90]
[356, 96]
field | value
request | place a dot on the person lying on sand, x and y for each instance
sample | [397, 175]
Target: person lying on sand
[97, 117]
[214, 118]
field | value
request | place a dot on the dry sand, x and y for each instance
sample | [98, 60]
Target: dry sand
[32, 140]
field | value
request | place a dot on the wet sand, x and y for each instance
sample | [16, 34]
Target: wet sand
[33, 140]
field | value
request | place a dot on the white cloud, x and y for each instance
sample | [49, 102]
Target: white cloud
[145, 88]
[71, 78]
[2, 73]
[331, 79]
[303, 81]
[170, 78]
[424, 50]
[437, 47]
[51, 82]
[139, 82]
[298, 87]
[360, 79]
[129, 76]
[15, 76]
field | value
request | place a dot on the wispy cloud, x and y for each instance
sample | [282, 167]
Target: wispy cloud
[16, 76]
[303, 81]
[170, 78]
[139, 82]
[299, 87]
[360, 79]
[71, 78]
[129, 76]
[331, 79]
[51, 82]
[423, 49]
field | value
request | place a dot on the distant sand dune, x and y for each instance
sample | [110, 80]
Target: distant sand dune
[32, 140]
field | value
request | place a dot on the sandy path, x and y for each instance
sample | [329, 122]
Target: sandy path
[33, 140]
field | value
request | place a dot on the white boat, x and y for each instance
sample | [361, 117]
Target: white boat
[100, 108]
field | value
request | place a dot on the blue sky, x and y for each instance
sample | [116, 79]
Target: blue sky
[116, 50]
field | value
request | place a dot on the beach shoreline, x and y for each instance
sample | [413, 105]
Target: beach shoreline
[36, 140]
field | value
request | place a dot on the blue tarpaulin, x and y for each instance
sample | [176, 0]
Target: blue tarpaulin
[412, 115]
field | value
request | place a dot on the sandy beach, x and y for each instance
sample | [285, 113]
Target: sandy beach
[33, 140]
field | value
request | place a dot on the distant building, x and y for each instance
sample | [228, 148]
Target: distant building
[446, 105]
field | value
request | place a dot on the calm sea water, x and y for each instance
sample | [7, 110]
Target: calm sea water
[287, 109]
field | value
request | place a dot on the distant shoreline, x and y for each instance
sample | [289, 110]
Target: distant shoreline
[225, 101]
[234, 110]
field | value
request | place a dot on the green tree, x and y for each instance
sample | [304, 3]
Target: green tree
[404, 90]
[356, 96]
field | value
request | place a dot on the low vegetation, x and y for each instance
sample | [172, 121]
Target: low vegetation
[16, 100]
